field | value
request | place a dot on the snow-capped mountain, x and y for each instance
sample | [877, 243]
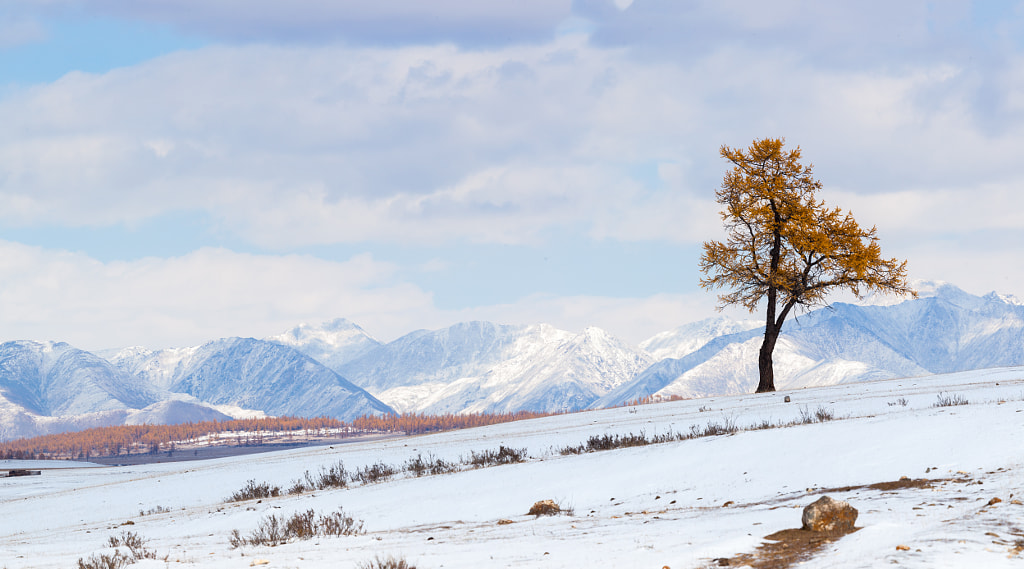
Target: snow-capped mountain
[332, 343]
[482, 366]
[948, 331]
[54, 379]
[689, 338]
[53, 387]
[251, 374]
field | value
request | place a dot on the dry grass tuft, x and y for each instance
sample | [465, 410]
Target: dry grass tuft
[545, 508]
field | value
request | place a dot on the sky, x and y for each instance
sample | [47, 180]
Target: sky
[177, 171]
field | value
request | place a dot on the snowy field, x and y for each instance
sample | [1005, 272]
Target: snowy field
[676, 504]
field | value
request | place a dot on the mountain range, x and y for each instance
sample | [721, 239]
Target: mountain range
[53, 387]
[337, 369]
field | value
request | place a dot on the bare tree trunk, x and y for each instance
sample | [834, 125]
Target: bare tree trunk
[766, 382]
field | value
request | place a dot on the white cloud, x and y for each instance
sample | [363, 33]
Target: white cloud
[299, 146]
[210, 293]
[613, 137]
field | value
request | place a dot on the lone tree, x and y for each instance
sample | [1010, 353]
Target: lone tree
[785, 246]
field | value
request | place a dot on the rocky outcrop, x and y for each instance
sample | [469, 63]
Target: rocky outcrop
[831, 516]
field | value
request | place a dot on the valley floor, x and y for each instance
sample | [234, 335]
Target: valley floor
[676, 504]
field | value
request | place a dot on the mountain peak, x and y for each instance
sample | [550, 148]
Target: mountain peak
[333, 343]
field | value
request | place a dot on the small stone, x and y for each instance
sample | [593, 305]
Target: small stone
[902, 547]
[729, 503]
[993, 501]
[787, 399]
[504, 522]
[828, 515]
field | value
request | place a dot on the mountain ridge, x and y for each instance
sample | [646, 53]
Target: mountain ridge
[337, 368]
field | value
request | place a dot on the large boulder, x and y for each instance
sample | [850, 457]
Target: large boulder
[828, 515]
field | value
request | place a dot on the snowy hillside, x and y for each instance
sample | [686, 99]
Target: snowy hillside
[481, 366]
[934, 486]
[948, 331]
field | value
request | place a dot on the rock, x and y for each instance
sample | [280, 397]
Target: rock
[787, 399]
[993, 502]
[902, 547]
[828, 515]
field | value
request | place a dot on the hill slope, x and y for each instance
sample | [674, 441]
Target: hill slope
[676, 504]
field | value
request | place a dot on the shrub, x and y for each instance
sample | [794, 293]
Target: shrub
[420, 466]
[902, 402]
[950, 400]
[373, 473]
[334, 476]
[609, 442]
[253, 491]
[764, 424]
[820, 415]
[301, 525]
[136, 545]
[137, 550]
[389, 562]
[504, 455]
[726, 427]
[105, 561]
[337, 523]
[273, 530]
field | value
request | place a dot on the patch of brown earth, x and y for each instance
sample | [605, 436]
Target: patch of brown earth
[784, 549]
[901, 484]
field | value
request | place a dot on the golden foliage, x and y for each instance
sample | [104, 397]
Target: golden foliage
[134, 439]
[784, 244]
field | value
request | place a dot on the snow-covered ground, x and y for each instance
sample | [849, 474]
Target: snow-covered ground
[653, 506]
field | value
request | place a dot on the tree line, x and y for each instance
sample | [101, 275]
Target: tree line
[136, 439]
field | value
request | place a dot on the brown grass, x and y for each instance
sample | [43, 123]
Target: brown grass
[544, 508]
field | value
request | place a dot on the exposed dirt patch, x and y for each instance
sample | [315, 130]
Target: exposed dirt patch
[784, 549]
[901, 484]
